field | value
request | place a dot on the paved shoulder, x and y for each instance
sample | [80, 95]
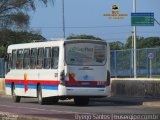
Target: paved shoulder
[131, 100]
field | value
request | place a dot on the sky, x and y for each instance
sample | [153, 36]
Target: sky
[86, 17]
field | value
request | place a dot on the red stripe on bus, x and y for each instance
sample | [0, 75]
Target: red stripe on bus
[72, 81]
[45, 82]
[92, 83]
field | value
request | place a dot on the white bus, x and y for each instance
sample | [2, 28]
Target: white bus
[63, 69]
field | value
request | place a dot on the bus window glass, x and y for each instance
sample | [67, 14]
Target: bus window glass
[55, 57]
[40, 58]
[47, 58]
[26, 59]
[19, 62]
[33, 58]
[14, 57]
[85, 54]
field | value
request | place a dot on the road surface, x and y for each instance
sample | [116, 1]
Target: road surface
[67, 109]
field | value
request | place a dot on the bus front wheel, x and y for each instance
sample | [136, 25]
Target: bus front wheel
[81, 101]
[15, 98]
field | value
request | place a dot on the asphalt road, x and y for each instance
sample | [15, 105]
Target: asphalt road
[67, 109]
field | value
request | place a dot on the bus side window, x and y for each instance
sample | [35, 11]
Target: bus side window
[40, 57]
[19, 62]
[33, 58]
[55, 57]
[14, 58]
[26, 59]
[47, 58]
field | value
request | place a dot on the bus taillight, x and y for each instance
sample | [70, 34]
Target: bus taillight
[108, 78]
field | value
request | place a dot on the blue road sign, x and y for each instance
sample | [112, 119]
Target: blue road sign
[142, 19]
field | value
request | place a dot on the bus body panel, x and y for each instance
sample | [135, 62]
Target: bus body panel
[46, 78]
[87, 80]
[88, 73]
[87, 91]
[91, 80]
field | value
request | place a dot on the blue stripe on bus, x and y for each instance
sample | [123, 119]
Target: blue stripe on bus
[8, 85]
[32, 86]
[50, 87]
[19, 85]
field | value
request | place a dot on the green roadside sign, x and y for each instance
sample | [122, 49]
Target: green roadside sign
[142, 19]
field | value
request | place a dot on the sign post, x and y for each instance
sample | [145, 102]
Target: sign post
[134, 43]
[139, 19]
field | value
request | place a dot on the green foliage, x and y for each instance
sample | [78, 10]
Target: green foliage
[8, 37]
[116, 45]
[83, 37]
[2, 51]
[149, 42]
[14, 13]
[142, 42]
[128, 44]
[14, 17]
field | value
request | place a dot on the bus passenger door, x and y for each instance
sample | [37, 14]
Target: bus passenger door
[55, 61]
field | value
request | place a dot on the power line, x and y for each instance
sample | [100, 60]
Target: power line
[139, 32]
[83, 27]
[157, 22]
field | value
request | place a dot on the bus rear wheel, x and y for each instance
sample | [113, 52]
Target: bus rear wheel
[52, 100]
[81, 101]
[15, 98]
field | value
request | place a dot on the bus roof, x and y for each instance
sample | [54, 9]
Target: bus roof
[48, 43]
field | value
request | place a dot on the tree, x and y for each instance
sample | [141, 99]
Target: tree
[14, 16]
[83, 37]
[14, 13]
[116, 45]
[142, 42]
[8, 37]
[149, 42]
[128, 44]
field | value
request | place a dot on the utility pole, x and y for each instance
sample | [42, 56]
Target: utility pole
[132, 67]
[134, 34]
[63, 18]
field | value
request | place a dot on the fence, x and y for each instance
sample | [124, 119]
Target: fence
[2, 68]
[122, 62]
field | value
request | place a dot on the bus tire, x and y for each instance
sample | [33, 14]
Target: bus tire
[81, 101]
[52, 100]
[41, 100]
[15, 98]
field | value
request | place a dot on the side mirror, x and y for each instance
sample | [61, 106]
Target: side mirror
[6, 57]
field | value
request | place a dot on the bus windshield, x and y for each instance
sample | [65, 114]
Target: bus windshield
[85, 54]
